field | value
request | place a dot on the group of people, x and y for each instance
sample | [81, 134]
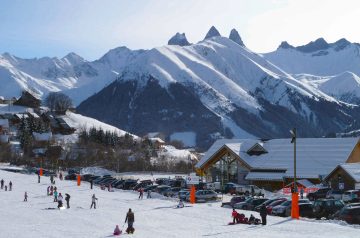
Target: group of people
[240, 218]
[5, 187]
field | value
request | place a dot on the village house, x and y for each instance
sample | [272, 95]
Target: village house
[28, 99]
[344, 177]
[270, 163]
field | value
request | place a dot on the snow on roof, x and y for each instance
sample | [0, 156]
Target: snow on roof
[304, 182]
[42, 136]
[353, 169]
[314, 155]
[271, 176]
[4, 123]
[157, 139]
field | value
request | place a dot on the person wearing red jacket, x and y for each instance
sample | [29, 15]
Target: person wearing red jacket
[234, 215]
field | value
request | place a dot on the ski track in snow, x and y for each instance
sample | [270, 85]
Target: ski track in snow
[153, 217]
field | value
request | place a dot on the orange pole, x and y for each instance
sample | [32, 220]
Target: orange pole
[78, 180]
[295, 205]
[192, 194]
[41, 172]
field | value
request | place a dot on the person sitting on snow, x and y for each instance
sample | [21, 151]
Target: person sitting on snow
[117, 231]
[181, 204]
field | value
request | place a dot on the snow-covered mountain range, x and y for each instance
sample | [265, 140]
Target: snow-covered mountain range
[216, 87]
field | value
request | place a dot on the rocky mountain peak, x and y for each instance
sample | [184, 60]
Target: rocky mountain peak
[212, 33]
[178, 39]
[234, 36]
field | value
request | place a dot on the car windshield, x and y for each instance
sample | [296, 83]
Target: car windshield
[248, 200]
[286, 203]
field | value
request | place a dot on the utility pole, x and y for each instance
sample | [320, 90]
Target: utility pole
[295, 195]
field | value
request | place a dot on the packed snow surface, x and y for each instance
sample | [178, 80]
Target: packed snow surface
[153, 217]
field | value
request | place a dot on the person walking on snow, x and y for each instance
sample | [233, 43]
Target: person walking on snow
[10, 186]
[234, 215]
[67, 199]
[38, 178]
[130, 219]
[60, 201]
[25, 197]
[263, 214]
[55, 196]
[93, 201]
[2, 183]
[91, 184]
[5, 188]
[149, 193]
[141, 191]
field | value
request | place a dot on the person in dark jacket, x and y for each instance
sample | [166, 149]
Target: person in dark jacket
[38, 178]
[91, 184]
[130, 219]
[67, 199]
[10, 186]
[2, 183]
[263, 214]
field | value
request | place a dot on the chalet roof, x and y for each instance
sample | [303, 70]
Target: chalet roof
[157, 139]
[352, 169]
[315, 156]
[270, 176]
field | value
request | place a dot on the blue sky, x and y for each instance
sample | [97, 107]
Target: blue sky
[36, 28]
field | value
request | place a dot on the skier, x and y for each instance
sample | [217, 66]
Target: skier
[2, 183]
[117, 231]
[25, 197]
[10, 186]
[263, 214]
[91, 184]
[93, 201]
[141, 191]
[302, 192]
[130, 219]
[149, 193]
[181, 204]
[55, 196]
[60, 203]
[67, 199]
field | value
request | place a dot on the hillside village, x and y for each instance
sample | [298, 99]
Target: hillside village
[32, 134]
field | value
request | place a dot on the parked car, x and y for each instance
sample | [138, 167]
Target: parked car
[351, 196]
[350, 214]
[250, 203]
[161, 189]
[326, 207]
[285, 208]
[305, 210]
[150, 187]
[142, 184]
[236, 199]
[270, 204]
[172, 192]
[203, 195]
[70, 177]
[321, 193]
[230, 188]
[335, 194]
[129, 184]
[183, 193]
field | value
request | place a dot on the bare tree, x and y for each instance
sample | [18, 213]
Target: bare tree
[58, 102]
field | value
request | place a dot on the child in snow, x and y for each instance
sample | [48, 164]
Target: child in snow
[141, 191]
[2, 183]
[10, 186]
[149, 193]
[117, 231]
[181, 204]
[25, 197]
[67, 199]
[59, 199]
[48, 190]
[5, 188]
[51, 190]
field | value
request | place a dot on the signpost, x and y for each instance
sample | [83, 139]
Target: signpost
[192, 179]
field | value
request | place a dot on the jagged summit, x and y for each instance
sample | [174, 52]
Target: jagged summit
[73, 58]
[285, 45]
[234, 36]
[178, 39]
[319, 44]
[212, 32]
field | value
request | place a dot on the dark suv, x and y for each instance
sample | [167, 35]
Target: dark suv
[350, 214]
[321, 193]
[326, 207]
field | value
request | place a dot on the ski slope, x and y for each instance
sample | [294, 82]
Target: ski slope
[154, 218]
